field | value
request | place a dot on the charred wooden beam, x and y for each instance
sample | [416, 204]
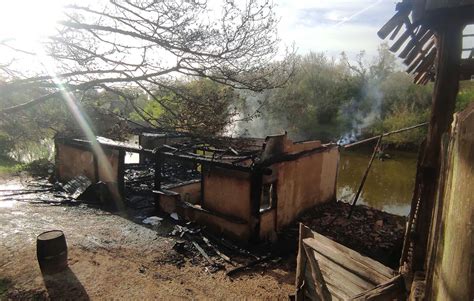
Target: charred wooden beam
[422, 34]
[421, 48]
[294, 156]
[121, 173]
[256, 180]
[393, 23]
[85, 144]
[158, 170]
[399, 43]
[204, 161]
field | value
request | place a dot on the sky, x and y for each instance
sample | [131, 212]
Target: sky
[329, 26]
[333, 26]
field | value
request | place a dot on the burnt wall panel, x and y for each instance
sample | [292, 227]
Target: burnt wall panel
[227, 192]
[304, 183]
[190, 193]
[72, 162]
[452, 240]
[220, 225]
[267, 225]
[108, 170]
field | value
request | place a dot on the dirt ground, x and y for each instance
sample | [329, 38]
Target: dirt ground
[112, 257]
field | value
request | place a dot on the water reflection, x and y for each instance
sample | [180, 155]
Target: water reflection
[389, 185]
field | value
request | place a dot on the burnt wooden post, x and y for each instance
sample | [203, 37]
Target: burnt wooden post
[255, 196]
[157, 180]
[449, 41]
[121, 173]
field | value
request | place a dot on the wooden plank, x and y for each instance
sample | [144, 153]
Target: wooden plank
[364, 267]
[316, 275]
[370, 263]
[340, 277]
[337, 294]
[392, 24]
[428, 62]
[308, 290]
[413, 44]
[423, 49]
[301, 262]
[393, 289]
[396, 46]
[444, 99]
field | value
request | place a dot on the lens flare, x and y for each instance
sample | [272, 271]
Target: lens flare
[106, 172]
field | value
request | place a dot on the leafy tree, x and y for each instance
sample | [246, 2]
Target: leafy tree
[465, 95]
[312, 100]
[150, 44]
[201, 106]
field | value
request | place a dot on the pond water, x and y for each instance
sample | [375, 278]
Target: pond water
[389, 185]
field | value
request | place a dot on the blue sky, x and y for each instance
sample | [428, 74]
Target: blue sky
[329, 26]
[332, 26]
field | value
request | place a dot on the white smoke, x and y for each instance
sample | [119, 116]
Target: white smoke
[360, 117]
[253, 119]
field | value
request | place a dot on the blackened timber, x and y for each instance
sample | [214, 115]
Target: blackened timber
[444, 99]
[413, 46]
[392, 24]
[96, 166]
[294, 156]
[205, 161]
[158, 167]
[86, 144]
[256, 179]
[227, 217]
[203, 170]
[121, 173]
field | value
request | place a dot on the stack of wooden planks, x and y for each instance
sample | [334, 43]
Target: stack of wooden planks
[327, 270]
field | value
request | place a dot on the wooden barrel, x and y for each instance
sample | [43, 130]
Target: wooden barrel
[51, 250]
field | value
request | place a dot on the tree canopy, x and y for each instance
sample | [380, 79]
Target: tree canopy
[150, 44]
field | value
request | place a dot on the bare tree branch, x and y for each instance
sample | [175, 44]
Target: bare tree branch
[150, 44]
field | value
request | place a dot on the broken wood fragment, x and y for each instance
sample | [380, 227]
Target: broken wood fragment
[248, 265]
[219, 253]
[203, 253]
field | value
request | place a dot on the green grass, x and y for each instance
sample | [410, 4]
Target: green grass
[4, 285]
[8, 166]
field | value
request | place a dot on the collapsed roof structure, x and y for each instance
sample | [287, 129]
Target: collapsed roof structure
[247, 189]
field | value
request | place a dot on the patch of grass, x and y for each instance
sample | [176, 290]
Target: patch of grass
[41, 167]
[5, 283]
[8, 165]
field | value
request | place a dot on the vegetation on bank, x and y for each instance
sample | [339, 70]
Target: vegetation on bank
[9, 166]
[201, 69]
[326, 98]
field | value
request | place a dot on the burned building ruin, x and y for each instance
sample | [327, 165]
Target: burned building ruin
[244, 188]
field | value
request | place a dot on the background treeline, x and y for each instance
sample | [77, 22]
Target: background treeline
[326, 98]
[329, 98]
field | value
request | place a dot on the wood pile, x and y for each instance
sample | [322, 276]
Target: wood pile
[371, 232]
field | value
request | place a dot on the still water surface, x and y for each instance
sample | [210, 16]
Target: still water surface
[389, 185]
